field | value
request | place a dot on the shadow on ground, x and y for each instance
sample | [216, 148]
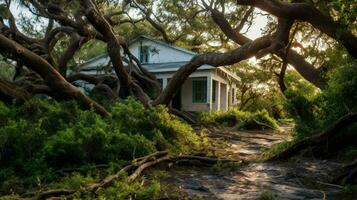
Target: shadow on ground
[297, 179]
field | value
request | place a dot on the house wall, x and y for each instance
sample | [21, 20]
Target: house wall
[186, 90]
[165, 52]
[168, 53]
[186, 95]
[224, 98]
[225, 88]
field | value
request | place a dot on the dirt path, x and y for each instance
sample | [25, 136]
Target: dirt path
[300, 179]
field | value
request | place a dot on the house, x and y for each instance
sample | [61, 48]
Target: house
[207, 89]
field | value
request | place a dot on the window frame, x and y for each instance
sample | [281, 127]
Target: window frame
[202, 85]
[214, 90]
[144, 57]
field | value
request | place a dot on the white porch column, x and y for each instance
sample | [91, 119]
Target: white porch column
[209, 92]
[164, 83]
[218, 95]
[227, 97]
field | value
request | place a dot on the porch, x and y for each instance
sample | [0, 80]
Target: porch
[202, 92]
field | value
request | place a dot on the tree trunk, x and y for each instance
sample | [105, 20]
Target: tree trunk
[9, 92]
[321, 138]
[49, 74]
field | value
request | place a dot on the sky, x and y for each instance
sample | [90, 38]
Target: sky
[253, 33]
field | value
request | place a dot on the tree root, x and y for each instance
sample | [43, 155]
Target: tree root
[349, 174]
[319, 139]
[133, 170]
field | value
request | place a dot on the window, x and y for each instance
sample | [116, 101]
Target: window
[144, 54]
[199, 91]
[214, 91]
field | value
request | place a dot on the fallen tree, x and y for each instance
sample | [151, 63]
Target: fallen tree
[133, 170]
[318, 139]
[91, 20]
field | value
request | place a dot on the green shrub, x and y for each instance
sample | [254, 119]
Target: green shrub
[42, 136]
[314, 111]
[124, 189]
[257, 120]
[156, 124]
[267, 195]
[242, 120]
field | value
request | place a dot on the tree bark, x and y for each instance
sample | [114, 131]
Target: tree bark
[214, 59]
[308, 71]
[114, 46]
[321, 138]
[10, 92]
[52, 77]
[305, 12]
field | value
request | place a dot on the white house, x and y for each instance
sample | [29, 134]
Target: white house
[208, 88]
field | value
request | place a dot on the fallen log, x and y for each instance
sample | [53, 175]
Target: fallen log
[134, 170]
[315, 140]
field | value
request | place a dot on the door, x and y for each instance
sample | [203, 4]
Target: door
[176, 101]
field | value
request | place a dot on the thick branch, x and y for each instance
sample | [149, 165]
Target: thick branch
[75, 44]
[9, 92]
[52, 78]
[305, 12]
[335, 128]
[214, 59]
[308, 71]
[114, 46]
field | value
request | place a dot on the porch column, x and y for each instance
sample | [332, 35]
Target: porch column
[218, 95]
[209, 92]
[227, 97]
[164, 83]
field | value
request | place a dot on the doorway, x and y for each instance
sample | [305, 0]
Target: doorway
[176, 101]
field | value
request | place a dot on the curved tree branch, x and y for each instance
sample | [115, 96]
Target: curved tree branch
[246, 51]
[308, 71]
[52, 77]
[305, 12]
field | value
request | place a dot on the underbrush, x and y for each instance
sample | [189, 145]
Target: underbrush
[314, 111]
[40, 137]
[240, 119]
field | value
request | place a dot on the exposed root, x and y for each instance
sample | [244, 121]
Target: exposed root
[134, 170]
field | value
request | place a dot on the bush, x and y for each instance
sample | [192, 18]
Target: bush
[242, 120]
[315, 111]
[42, 136]
[267, 195]
[257, 120]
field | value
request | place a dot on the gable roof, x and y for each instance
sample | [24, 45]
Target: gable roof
[152, 67]
[171, 66]
[163, 43]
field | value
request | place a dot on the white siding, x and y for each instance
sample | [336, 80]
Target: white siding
[165, 53]
[168, 54]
